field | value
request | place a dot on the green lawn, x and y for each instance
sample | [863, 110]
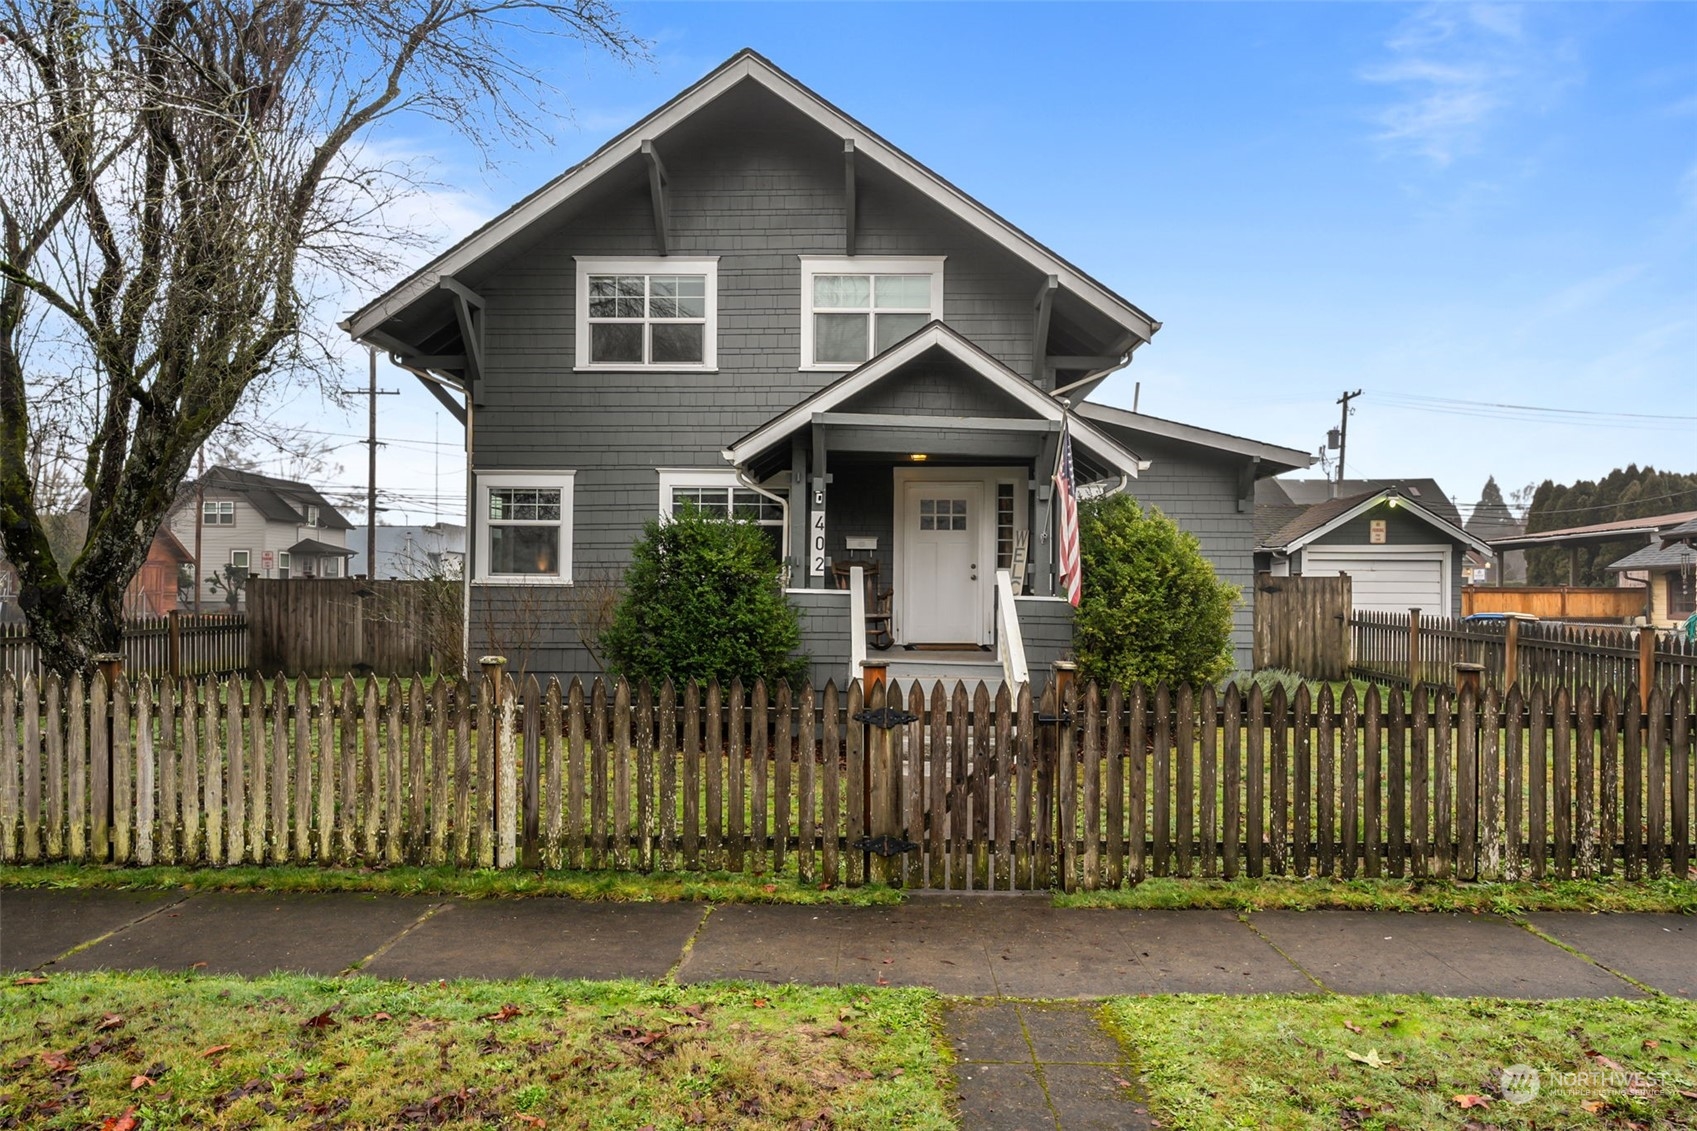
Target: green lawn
[473, 883]
[180, 1051]
[1323, 1061]
[1273, 893]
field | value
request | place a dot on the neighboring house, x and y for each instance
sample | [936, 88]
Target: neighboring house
[1401, 544]
[156, 588]
[1507, 568]
[255, 525]
[1598, 538]
[412, 552]
[752, 303]
[153, 592]
[1668, 566]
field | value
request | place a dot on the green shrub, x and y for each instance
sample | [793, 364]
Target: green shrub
[703, 601]
[1151, 608]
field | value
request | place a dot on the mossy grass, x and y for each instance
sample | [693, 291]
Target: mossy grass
[1325, 1061]
[470, 883]
[1316, 893]
[182, 1050]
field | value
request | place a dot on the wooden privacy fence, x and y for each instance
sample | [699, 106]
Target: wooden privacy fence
[966, 791]
[326, 626]
[1557, 602]
[177, 644]
[1398, 649]
[1302, 624]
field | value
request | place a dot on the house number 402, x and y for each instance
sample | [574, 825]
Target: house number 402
[816, 548]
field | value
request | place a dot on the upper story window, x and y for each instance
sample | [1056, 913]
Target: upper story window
[218, 512]
[311, 515]
[853, 309]
[524, 527]
[647, 313]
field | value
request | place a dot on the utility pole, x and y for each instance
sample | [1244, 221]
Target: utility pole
[373, 392]
[1343, 437]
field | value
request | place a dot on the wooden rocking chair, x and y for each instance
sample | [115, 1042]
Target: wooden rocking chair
[879, 617]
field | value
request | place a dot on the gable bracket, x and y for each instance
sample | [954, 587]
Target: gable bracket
[1246, 476]
[468, 308]
[657, 193]
[848, 196]
[1044, 305]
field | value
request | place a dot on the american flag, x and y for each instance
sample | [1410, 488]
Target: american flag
[1072, 570]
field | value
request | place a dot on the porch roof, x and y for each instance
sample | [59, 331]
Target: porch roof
[1040, 411]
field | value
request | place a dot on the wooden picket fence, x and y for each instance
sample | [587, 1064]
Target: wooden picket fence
[178, 644]
[965, 789]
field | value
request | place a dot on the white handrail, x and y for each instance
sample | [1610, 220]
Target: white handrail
[857, 620]
[1010, 645]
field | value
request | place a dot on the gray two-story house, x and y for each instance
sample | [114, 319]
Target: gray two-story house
[751, 302]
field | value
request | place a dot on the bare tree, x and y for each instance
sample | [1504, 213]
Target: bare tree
[183, 181]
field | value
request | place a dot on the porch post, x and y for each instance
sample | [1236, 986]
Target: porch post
[1043, 520]
[798, 513]
[816, 498]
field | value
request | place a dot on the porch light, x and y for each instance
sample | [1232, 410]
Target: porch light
[918, 457]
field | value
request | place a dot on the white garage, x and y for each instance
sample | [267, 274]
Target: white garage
[1388, 579]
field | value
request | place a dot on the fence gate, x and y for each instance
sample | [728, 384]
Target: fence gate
[1302, 624]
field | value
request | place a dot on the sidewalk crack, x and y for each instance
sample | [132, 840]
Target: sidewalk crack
[671, 975]
[389, 943]
[118, 930]
[1243, 917]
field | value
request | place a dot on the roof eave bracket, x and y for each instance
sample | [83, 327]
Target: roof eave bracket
[657, 194]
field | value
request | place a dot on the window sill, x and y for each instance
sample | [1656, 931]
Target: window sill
[522, 579]
[645, 369]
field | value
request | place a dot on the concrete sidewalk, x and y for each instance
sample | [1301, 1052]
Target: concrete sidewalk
[1001, 946]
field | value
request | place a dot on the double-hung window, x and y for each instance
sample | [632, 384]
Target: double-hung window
[524, 526]
[854, 308]
[647, 313]
[218, 512]
[717, 491]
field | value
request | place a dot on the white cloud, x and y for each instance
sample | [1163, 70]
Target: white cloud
[1456, 71]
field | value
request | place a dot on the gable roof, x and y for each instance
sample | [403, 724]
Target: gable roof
[1676, 555]
[1308, 492]
[1684, 532]
[746, 66]
[1271, 455]
[1317, 521]
[1596, 533]
[278, 500]
[931, 336]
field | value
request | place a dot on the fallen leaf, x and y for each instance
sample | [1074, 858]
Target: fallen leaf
[505, 1013]
[381, 1017]
[139, 1082]
[1594, 1106]
[532, 1120]
[197, 966]
[32, 980]
[1352, 1027]
[57, 1062]
[768, 888]
[760, 1003]
[124, 1122]
[882, 981]
[1371, 1060]
[1651, 1044]
[1606, 1062]
[1471, 1100]
[322, 1021]
[216, 1049]
[110, 1021]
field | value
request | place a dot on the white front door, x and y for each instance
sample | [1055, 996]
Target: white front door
[940, 590]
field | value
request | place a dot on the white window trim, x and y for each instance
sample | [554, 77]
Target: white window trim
[650, 265]
[564, 480]
[812, 265]
[218, 512]
[671, 477]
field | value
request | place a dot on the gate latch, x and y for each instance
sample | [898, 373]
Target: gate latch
[886, 718]
[884, 845]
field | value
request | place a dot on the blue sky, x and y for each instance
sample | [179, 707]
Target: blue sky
[1430, 203]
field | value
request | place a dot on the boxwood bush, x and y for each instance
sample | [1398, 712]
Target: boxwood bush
[1152, 608]
[703, 601]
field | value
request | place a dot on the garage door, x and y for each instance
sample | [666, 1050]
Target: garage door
[1387, 582]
